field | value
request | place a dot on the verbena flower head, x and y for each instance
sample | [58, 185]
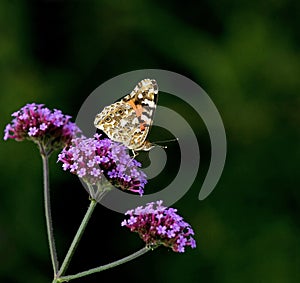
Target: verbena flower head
[159, 225]
[96, 160]
[49, 128]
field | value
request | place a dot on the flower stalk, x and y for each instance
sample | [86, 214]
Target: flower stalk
[51, 241]
[103, 267]
[77, 238]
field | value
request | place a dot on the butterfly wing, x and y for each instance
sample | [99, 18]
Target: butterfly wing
[128, 120]
[113, 121]
[143, 100]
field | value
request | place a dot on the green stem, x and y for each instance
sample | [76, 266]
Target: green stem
[51, 241]
[77, 238]
[104, 267]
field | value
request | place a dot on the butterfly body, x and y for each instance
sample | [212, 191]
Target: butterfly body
[128, 120]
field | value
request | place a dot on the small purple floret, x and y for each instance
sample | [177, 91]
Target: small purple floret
[50, 128]
[159, 225]
[94, 159]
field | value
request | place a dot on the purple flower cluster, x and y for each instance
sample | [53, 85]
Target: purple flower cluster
[159, 225]
[93, 159]
[48, 127]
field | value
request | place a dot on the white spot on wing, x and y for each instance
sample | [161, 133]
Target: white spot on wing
[123, 122]
[135, 121]
[150, 103]
[144, 118]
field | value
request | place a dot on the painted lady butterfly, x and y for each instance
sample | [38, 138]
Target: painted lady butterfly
[128, 120]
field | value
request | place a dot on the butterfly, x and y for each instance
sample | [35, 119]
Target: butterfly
[129, 120]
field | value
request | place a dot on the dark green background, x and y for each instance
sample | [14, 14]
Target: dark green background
[245, 54]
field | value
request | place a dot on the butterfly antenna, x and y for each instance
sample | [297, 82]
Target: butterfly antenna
[161, 146]
[157, 143]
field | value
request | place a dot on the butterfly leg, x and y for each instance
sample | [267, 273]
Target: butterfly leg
[134, 153]
[130, 162]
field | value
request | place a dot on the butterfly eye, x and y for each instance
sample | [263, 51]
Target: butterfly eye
[121, 112]
[107, 119]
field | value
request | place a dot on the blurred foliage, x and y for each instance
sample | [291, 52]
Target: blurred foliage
[244, 54]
